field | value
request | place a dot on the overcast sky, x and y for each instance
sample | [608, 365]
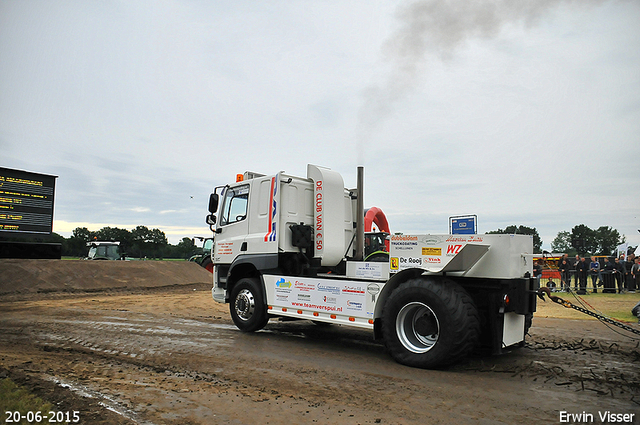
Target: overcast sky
[522, 112]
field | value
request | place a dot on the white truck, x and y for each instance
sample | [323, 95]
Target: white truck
[292, 247]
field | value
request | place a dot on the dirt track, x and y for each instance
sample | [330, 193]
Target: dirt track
[172, 355]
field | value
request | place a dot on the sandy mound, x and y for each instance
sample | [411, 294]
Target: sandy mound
[29, 276]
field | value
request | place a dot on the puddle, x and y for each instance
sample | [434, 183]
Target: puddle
[104, 400]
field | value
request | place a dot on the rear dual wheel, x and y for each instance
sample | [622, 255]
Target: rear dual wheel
[430, 323]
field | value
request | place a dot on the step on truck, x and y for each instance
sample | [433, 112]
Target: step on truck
[292, 247]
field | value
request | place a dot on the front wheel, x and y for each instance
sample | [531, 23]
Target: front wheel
[430, 323]
[247, 307]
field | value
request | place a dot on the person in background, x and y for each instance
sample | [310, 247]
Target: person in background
[575, 263]
[635, 274]
[607, 277]
[565, 274]
[537, 271]
[620, 272]
[629, 280]
[594, 270]
[581, 273]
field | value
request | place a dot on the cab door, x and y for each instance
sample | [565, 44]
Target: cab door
[233, 225]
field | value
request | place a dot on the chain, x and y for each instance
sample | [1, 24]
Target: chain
[600, 317]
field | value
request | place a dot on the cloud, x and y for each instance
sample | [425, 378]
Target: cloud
[140, 209]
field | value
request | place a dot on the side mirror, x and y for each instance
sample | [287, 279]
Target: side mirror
[213, 203]
[211, 220]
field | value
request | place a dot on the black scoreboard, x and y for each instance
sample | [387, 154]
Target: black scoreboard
[26, 202]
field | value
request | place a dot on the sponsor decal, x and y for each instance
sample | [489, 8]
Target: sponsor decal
[280, 297]
[304, 297]
[373, 289]
[353, 290]
[395, 238]
[432, 260]
[431, 240]
[403, 245]
[404, 261]
[318, 307]
[304, 287]
[283, 287]
[456, 239]
[333, 289]
[394, 263]
[405, 242]
[431, 251]
[465, 239]
[354, 305]
[281, 283]
[330, 300]
[453, 249]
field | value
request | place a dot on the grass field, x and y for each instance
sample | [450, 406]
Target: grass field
[17, 399]
[615, 306]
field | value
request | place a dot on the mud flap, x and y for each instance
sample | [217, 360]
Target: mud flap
[512, 329]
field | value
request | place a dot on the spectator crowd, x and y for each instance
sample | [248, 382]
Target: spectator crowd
[610, 275]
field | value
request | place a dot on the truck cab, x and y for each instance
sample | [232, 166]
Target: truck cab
[295, 225]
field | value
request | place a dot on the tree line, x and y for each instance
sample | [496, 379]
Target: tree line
[141, 242]
[585, 241]
[581, 240]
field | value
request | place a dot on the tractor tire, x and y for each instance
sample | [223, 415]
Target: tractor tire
[247, 307]
[207, 263]
[430, 323]
[378, 257]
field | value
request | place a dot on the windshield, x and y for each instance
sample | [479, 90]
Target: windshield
[207, 245]
[235, 205]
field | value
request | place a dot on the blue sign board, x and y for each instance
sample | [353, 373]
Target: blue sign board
[463, 226]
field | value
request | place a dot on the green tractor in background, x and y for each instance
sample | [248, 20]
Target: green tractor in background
[203, 257]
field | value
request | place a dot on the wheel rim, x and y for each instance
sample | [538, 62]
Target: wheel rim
[417, 327]
[245, 304]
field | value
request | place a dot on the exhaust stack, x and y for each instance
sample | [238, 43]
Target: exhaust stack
[359, 254]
